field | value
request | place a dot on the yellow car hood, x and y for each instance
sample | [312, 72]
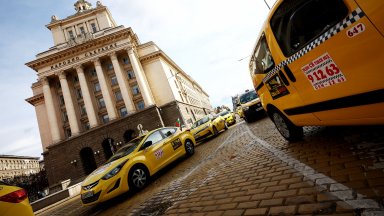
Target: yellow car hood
[252, 102]
[101, 171]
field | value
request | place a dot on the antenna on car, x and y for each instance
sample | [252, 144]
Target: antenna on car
[267, 4]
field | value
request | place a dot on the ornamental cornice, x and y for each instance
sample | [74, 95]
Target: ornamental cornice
[81, 48]
[35, 99]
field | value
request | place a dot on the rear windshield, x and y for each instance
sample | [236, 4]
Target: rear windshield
[224, 113]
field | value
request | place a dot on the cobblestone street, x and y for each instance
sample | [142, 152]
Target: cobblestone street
[251, 170]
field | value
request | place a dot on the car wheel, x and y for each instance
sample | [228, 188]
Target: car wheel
[138, 177]
[225, 125]
[286, 128]
[215, 131]
[189, 148]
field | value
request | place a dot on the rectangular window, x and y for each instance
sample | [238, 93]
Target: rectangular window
[93, 26]
[101, 103]
[126, 60]
[83, 111]
[75, 79]
[140, 105]
[79, 95]
[109, 66]
[68, 132]
[65, 116]
[82, 31]
[135, 90]
[118, 96]
[263, 62]
[70, 33]
[97, 87]
[86, 126]
[131, 74]
[105, 118]
[113, 81]
[123, 111]
[61, 99]
[93, 72]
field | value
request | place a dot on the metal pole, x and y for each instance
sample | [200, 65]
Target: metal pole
[267, 4]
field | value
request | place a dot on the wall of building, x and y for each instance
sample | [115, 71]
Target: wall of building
[59, 156]
[17, 166]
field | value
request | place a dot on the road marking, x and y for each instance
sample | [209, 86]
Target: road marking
[349, 196]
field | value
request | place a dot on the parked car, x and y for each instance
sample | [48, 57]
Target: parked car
[229, 117]
[14, 201]
[320, 63]
[131, 167]
[250, 105]
[209, 125]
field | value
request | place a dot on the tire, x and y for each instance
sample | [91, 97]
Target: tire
[189, 148]
[138, 178]
[225, 125]
[286, 128]
[215, 131]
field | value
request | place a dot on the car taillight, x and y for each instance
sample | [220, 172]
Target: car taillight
[15, 197]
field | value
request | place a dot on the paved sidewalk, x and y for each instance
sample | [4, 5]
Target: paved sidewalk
[247, 176]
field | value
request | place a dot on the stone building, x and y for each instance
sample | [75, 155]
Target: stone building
[11, 165]
[99, 86]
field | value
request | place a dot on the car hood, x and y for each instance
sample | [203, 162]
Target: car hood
[252, 102]
[102, 170]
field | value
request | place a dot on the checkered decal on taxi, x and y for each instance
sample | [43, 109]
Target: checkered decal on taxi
[349, 20]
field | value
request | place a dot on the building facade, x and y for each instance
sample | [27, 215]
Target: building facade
[11, 166]
[99, 86]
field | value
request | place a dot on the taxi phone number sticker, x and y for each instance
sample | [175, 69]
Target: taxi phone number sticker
[323, 72]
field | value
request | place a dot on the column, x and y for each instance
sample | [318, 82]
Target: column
[122, 81]
[73, 123]
[104, 90]
[92, 118]
[52, 118]
[141, 79]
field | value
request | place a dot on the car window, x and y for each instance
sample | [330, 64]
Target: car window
[224, 113]
[298, 22]
[168, 131]
[201, 121]
[245, 98]
[154, 137]
[263, 58]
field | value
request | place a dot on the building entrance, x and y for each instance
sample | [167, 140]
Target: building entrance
[87, 160]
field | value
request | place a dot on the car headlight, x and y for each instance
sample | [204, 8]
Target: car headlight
[114, 171]
[245, 108]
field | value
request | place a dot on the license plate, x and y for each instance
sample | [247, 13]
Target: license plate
[87, 195]
[260, 108]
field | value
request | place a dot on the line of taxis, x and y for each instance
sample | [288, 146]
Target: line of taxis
[132, 166]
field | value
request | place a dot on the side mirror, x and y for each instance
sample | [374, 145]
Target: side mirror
[147, 144]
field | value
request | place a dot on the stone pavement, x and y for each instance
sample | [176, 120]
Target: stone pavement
[251, 170]
[251, 176]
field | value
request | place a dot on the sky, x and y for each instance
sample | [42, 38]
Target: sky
[206, 38]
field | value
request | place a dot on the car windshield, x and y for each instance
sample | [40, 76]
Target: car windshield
[224, 113]
[200, 122]
[245, 98]
[126, 149]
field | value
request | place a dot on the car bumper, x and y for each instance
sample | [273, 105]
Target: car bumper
[103, 192]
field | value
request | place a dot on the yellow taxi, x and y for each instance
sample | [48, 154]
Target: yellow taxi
[239, 112]
[14, 201]
[250, 105]
[209, 125]
[229, 117]
[320, 63]
[133, 164]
